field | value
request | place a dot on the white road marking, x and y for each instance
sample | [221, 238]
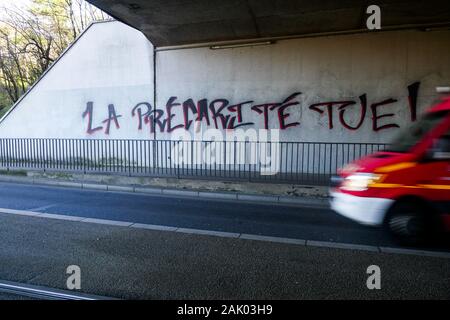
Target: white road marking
[23, 289]
[272, 239]
[338, 245]
[153, 227]
[20, 212]
[416, 252]
[243, 236]
[42, 208]
[209, 233]
[61, 217]
[108, 222]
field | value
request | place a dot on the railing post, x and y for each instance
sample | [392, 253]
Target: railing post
[61, 154]
[155, 156]
[129, 158]
[249, 162]
[177, 159]
[84, 156]
[193, 157]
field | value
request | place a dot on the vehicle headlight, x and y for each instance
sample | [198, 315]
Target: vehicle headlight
[359, 181]
[350, 168]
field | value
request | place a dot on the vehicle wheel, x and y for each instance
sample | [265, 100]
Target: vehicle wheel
[408, 222]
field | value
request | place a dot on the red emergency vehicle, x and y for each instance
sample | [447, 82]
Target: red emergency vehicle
[406, 187]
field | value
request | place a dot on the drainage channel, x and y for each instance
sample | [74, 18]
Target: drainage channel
[45, 293]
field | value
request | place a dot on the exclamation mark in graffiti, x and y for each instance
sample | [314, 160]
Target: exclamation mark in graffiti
[413, 90]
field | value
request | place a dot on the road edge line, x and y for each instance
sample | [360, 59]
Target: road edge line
[223, 234]
[38, 291]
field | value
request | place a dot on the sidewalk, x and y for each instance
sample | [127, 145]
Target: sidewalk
[267, 193]
[120, 262]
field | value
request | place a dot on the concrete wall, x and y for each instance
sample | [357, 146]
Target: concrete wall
[112, 65]
[340, 68]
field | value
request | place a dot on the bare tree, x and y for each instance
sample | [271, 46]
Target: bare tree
[32, 38]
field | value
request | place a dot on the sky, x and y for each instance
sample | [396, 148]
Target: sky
[13, 4]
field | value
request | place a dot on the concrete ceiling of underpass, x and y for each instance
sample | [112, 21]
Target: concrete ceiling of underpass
[180, 22]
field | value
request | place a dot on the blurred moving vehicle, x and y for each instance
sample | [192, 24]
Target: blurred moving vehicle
[405, 188]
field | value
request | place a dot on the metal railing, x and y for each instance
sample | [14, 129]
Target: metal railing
[282, 162]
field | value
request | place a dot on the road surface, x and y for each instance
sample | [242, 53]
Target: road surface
[135, 263]
[308, 223]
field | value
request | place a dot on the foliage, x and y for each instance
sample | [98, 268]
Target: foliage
[5, 102]
[32, 37]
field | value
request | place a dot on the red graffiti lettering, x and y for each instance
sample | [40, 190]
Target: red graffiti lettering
[223, 115]
[329, 107]
[363, 104]
[170, 104]
[142, 116]
[89, 113]
[376, 116]
[112, 116]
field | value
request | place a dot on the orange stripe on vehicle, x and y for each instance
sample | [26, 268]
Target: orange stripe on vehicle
[385, 185]
[395, 167]
[420, 186]
[435, 186]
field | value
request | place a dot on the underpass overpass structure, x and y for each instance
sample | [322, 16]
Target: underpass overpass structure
[199, 70]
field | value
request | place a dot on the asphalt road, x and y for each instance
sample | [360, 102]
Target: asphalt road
[306, 223]
[10, 296]
[131, 263]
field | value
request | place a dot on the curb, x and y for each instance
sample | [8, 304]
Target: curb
[257, 198]
[92, 186]
[213, 195]
[218, 195]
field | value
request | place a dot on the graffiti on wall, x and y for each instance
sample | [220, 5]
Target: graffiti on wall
[222, 114]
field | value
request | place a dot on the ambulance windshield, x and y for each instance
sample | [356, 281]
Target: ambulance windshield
[411, 135]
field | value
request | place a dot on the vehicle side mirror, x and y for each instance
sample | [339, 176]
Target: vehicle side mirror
[441, 149]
